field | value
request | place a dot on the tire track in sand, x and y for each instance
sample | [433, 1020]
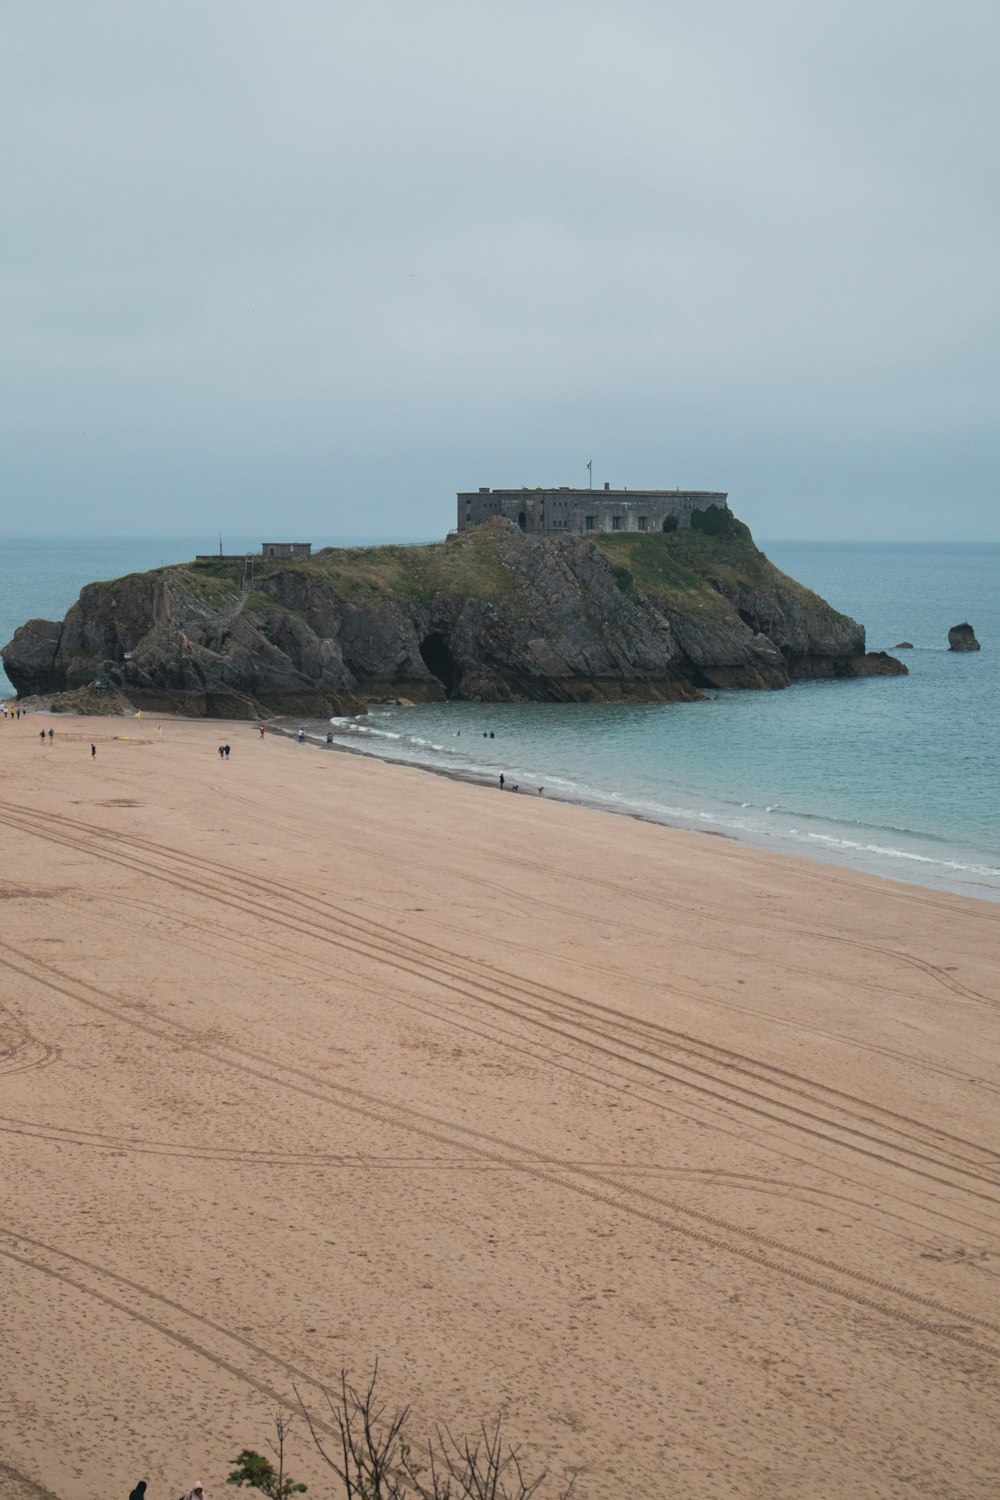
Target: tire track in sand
[704, 1229]
[72, 1270]
[373, 940]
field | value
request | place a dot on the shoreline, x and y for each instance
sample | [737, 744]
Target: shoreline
[285, 727]
[826, 858]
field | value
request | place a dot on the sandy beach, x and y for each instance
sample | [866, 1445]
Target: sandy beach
[680, 1155]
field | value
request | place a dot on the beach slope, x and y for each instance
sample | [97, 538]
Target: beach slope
[680, 1155]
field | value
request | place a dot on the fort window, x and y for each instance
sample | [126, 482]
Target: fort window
[522, 521]
[642, 522]
[616, 523]
[590, 522]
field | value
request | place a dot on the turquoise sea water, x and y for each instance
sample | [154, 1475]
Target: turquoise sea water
[897, 776]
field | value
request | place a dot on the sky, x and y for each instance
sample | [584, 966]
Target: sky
[310, 268]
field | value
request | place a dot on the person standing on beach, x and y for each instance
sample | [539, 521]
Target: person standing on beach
[225, 751]
[41, 735]
[221, 752]
[261, 727]
[195, 1492]
[93, 751]
[501, 781]
[139, 1493]
[301, 736]
[50, 736]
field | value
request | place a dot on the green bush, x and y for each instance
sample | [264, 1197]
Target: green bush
[259, 1473]
[717, 521]
[625, 578]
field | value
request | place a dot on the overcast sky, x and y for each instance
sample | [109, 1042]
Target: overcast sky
[305, 268]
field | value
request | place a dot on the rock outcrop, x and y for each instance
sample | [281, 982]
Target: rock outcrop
[490, 614]
[903, 646]
[962, 638]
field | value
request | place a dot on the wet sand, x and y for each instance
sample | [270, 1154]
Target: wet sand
[680, 1154]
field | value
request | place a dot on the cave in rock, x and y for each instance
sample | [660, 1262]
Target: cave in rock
[439, 660]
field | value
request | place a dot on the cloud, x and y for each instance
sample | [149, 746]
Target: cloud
[289, 261]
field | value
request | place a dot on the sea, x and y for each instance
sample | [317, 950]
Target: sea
[894, 776]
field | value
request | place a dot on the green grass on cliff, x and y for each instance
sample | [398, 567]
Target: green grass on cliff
[467, 565]
[216, 592]
[687, 569]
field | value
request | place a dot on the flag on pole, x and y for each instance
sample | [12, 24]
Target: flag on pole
[590, 464]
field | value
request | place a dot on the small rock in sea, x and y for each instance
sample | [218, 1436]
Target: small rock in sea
[903, 646]
[962, 638]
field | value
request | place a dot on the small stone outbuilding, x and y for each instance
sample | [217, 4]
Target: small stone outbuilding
[285, 549]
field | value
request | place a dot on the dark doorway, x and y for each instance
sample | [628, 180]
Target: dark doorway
[522, 521]
[439, 660]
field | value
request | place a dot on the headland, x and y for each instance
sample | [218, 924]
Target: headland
[495, 613]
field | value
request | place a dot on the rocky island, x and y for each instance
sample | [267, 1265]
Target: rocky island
[490, 614]
[963, 638]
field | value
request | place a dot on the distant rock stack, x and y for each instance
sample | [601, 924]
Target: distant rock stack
[963, 638]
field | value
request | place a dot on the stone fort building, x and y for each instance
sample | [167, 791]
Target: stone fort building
[580, 510]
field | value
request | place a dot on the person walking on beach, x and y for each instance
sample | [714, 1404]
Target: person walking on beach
[261, 727]
[221, 752]
[501, 781]
[301, 736]
[195, 1492]
[225, 751]
[93, 751]
[50, 736]
[41, 735]
[139, 1493]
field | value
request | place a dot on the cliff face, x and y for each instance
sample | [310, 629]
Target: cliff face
[490, 614]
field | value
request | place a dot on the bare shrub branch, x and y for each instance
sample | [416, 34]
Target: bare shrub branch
[376, 1460]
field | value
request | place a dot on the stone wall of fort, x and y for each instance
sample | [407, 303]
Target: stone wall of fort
[581, 510]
